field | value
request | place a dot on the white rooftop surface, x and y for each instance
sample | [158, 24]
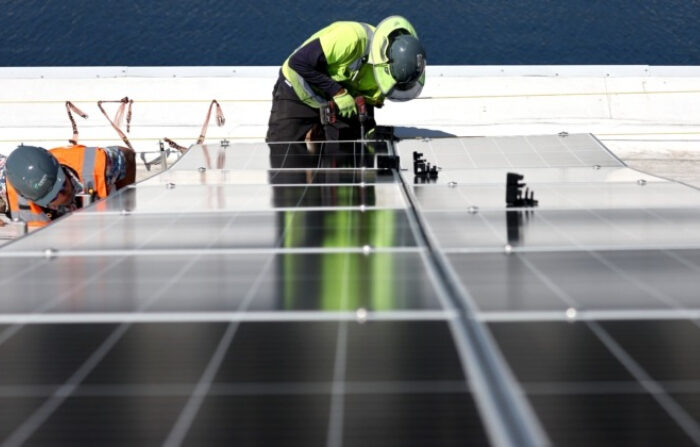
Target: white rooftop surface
[631, 109]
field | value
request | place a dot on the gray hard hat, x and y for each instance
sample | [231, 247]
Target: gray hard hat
[406, 59]
[35, 174]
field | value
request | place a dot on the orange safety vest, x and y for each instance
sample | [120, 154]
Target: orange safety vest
[81, 160]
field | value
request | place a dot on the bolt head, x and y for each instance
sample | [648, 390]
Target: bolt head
[50, 253]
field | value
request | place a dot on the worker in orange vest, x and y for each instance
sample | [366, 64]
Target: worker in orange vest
[44, 185]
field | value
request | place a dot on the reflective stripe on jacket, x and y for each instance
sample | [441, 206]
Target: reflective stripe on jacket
[346, 47]
[81, 160]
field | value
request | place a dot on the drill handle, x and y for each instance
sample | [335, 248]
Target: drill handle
[361, 108]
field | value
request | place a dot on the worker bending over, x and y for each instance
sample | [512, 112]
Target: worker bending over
[44, 185]
[339, 63]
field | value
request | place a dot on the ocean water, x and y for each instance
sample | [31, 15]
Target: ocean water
[264, 32]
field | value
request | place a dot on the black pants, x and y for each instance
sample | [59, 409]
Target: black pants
[290, 122]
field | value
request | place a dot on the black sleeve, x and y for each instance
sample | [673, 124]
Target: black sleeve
[310, 63]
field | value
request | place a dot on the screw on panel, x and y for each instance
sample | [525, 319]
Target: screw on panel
[361, 315]
[596, 167]
[508, 249]
[50, 253]
[225, 143]
[170, 186]
[202, 169]
[366, 249]
[571, 314]
[124, 212]
[563, 134]
[641, 182]
[452, 184]
[473, 209]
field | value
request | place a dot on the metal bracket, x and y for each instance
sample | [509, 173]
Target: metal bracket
[515, 196]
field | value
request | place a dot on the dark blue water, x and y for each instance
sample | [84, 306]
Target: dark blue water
[263, 32]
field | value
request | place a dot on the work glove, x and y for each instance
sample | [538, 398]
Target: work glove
[346, 104]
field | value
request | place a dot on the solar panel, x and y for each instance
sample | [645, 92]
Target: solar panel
[271, 295]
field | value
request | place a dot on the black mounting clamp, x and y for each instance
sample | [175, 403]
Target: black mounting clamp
[515, 196]
[422, 169]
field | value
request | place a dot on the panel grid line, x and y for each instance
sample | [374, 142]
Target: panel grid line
[678, 414]
[507, 417]
[334, 437]
[536, 152]
[652, 291]
[7, 333]
[466, 150]
[189, 412]
[22, 433]
[500, 150]
[566, 145]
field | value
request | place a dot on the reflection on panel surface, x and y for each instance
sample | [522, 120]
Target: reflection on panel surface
[561, 196]
[238, 198]
[273, 177]
[281, 229]
[295, 155]
[607, 280]
[575, 229]
[535, 176]
[286, 281]
[511, 152]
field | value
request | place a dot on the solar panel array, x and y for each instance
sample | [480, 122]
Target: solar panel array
[268, 295]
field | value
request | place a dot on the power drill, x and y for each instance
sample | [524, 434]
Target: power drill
[329, 112]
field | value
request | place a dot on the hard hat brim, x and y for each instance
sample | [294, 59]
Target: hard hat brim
[407, 94]
[57, 186]
[378, 50]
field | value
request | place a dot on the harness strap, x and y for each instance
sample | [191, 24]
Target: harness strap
[118, 118]
[220, 121]
[357, 63]
[71, 107]
[89, 155]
